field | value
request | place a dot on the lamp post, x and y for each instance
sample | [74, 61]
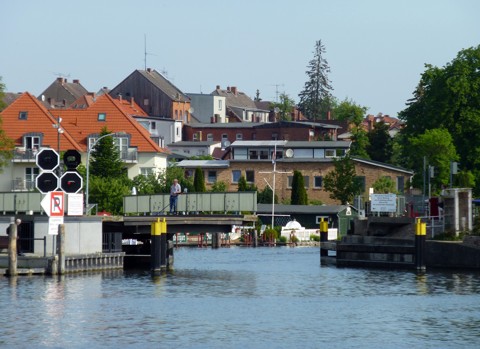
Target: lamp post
[59, 132]
[89, 149]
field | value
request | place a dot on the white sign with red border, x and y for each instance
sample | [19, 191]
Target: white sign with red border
[53, 203]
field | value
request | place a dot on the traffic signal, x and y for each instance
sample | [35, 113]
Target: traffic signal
[46, 181]
[47, 159]
[71, 159]
[71, 182]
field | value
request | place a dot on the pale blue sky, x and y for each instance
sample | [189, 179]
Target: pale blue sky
[376, 49]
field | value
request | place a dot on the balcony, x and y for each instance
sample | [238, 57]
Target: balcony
[19, 184]
[20, 154]
[130, 155]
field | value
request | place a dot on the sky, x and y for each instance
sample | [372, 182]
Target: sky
[376, 49]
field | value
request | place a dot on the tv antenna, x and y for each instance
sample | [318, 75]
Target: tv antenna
[145, 51]
[277, 92]
[61, 75]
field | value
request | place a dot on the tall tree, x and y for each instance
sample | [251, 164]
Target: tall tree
[285, 107]
[436, 146]
[199, 181]
[342, 182]
[6, 144]
[449, 98]
[353, 113]
[106, 161]
[299, 194]
[315, 98]
[380, 146]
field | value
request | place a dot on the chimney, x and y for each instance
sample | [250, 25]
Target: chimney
[149, 70]
[218, 87]
[120, 97]
[228, 88]
[76, 81]
[131, 102]
[234, 90]
[60, 80]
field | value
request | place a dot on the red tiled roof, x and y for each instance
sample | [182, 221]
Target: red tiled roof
[38, 120]
[81, 123]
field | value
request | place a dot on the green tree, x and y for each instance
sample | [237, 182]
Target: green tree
[199, 181]
[285, 107]
[448, 98]
[380, 146]
[2, 95]
[219, 187]
[436, 146]
[242, 184]
[316, 97]
[6, 144]
[299, 194]
[353, 113]
[265, 196]
[105, 161]
[342, 181]
[108, 193]
[384, 185]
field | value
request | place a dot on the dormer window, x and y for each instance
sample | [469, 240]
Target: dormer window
[23, 115]
[102, 116]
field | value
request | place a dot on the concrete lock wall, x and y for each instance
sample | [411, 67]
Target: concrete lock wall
[83, 235]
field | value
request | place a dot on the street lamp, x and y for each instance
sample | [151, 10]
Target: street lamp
[89, 149]
[59, 132]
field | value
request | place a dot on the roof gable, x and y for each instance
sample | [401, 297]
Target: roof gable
[37, 120]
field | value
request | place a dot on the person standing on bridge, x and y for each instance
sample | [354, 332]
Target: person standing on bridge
[175, 190]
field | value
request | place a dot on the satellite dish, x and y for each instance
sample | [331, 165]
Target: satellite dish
[191, 110]
[289, 153]
[43, 98]
[226, 144]
[276, 109]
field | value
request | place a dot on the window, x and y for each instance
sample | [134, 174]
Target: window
[317, 181]
[146, 101]
[306, 181]
[329, 153]
[23, 115]
[122, 144]
[304, 153]
[250, 176]
[32, 142]
[401, 184]
[239, 136]
[211, 176]
[153, 125]
[361, 181]
[195, 137]
[224, 137]
[146, 171]
[209, 137]
[220, 104]
[274, 136]
[318, 153]
[102, 116]
[240, 154]
[252, 154]
[340, 153]
[30, 174]
[236, 174]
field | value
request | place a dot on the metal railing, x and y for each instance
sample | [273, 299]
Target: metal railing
[20, 154]
[218, 202]
[130, 155]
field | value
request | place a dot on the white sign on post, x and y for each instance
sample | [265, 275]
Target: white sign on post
[53, 223]
[384, 203]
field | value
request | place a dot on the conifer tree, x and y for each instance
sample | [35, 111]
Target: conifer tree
[316, 97]
[199, 181]
[299, 194]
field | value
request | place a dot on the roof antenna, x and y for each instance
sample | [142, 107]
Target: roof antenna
[145, 53]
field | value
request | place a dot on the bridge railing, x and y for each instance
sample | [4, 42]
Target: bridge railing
[211, 202]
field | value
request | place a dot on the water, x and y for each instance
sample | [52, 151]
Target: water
[243, 298]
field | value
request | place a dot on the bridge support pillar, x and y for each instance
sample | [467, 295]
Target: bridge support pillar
[323, 238]
[215, 240]
[420, 240]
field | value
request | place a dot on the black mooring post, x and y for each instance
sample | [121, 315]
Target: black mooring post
[420, 242]
[155, 255]
[323, 238]
[170, 249]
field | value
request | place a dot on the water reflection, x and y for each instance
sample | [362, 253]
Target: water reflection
[243, 297]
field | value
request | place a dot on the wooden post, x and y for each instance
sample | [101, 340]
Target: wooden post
[255, 238]
[323, 238]
[163, 245]
[61, 249]
[12, 249]
[420, 239]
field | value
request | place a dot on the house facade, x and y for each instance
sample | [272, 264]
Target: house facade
[155, 94]
[240, 107]
[33, 127]
[208, 108]
[61, 93]
[254, 161]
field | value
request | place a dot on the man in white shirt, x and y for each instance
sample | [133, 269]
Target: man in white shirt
[175, 190]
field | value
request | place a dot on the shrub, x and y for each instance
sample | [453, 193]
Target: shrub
[314, 237]
[282, 239]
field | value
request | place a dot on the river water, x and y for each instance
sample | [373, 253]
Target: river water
[243, 298]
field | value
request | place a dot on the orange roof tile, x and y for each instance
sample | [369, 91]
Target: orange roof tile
[38, 120]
